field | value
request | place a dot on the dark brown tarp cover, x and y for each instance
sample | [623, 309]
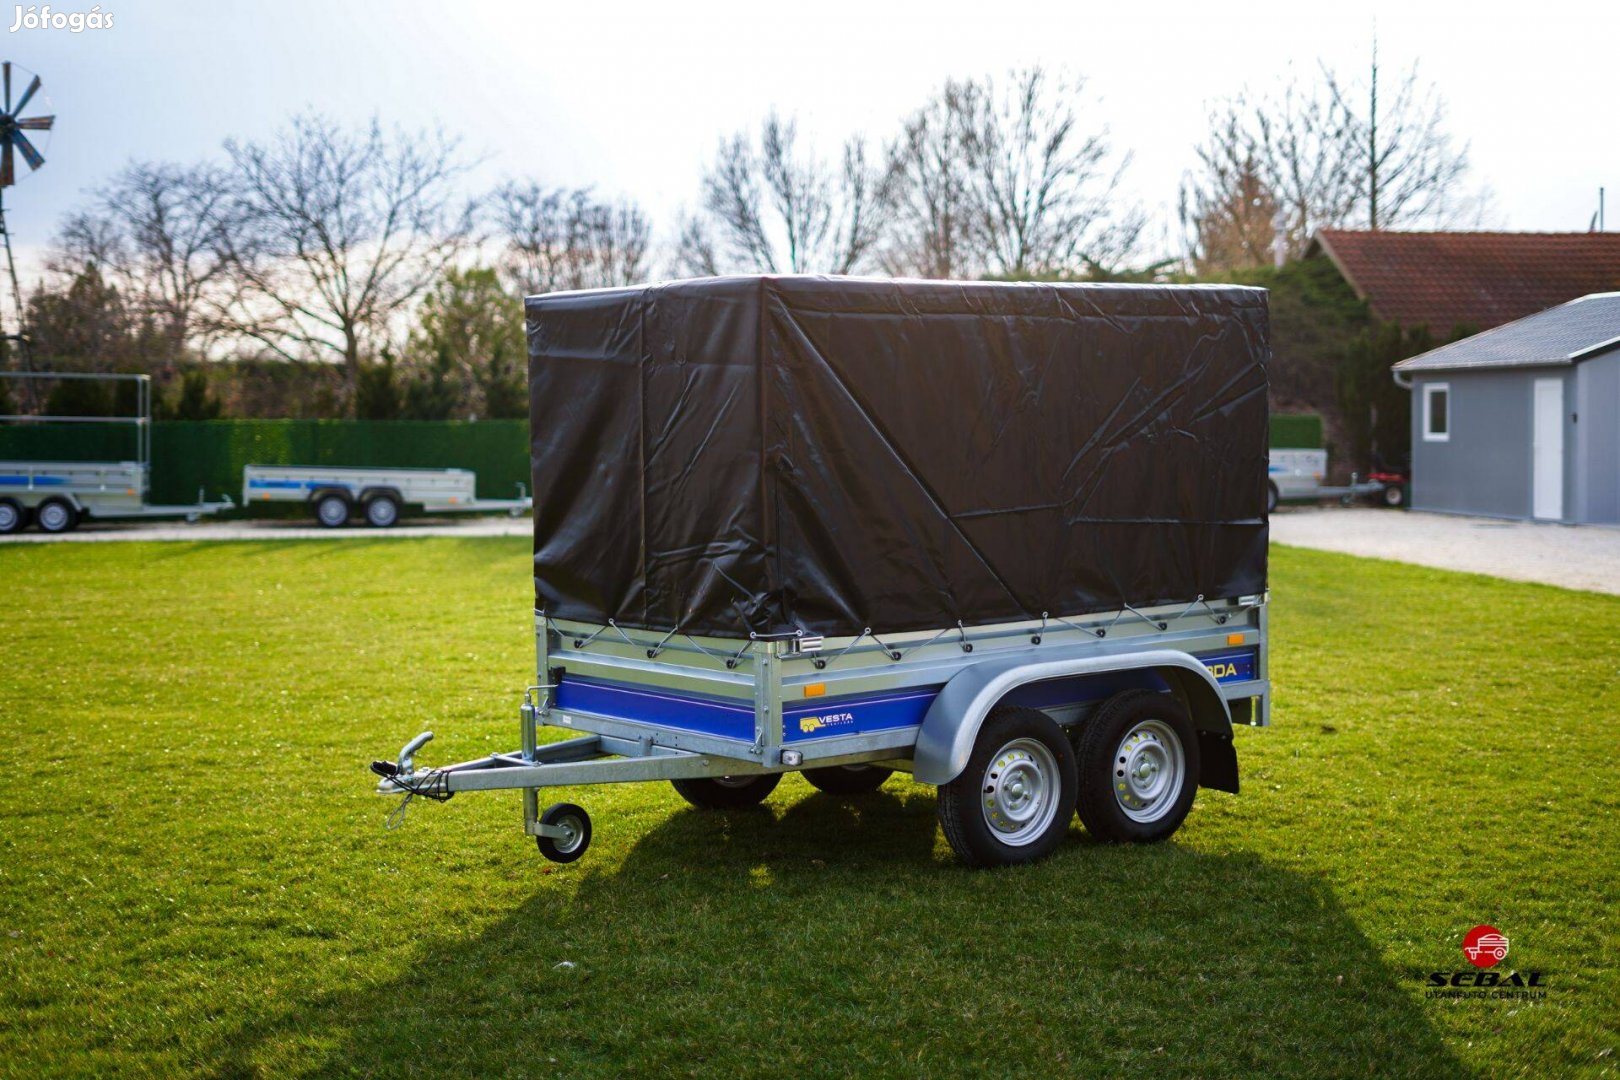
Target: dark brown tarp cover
[830, 454]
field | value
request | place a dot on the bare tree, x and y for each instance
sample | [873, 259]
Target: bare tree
[335, 232]
[771, 207]
[558, 239]
[695, 254]
[1328, 162]
[1044, 189]
[930, 192]
[1406, 169]
[1302, 144]
[1227, 211]
[156, 231]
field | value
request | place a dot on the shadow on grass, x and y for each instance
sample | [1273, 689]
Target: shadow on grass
[839, 939]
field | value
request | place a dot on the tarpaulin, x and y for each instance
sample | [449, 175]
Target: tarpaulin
[767, 454]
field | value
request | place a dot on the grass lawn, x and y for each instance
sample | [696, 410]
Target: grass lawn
[195, 878]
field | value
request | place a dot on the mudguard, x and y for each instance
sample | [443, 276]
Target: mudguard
[952, 722]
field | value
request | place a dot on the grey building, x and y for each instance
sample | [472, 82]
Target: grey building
[1522, 421]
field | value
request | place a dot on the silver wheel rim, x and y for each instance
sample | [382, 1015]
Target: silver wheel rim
[332, 511]
[53, 518]
[8, 517]
[573, 834]
[1392, 496]
[382, 512]
[1019, 793]
[1149, 771]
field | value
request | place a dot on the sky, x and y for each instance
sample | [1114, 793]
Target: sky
[632, 98]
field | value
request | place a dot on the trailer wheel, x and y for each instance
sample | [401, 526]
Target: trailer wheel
[332, 510]
[1013, 802]
[576, 826]
[1394, 496]
[1139, 768]
[1272, 497]
[727, 792]
[382, 511]
[848, 779]
[12, 518]
[56, 516]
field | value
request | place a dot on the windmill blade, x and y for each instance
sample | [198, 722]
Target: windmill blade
[22, 102]
[34, 158]
[8, 175]
[7, 67]
[37, 123]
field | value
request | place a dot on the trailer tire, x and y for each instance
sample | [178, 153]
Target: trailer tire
[382, 511]
[1394, 496]
[848, 779]
[1139, 768]
[56, 516]
[1013, 802]
[12, 516]
[1272, 497]
[727, 792]
[332, 510]
[576, 821]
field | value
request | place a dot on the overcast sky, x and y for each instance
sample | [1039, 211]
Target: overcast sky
[633, 101]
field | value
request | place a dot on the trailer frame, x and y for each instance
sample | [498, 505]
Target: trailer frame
[963, 672]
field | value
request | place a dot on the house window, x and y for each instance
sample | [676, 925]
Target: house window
[1436, 412]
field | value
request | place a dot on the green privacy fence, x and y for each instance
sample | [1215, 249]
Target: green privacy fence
[210, 454]
[1296, 431]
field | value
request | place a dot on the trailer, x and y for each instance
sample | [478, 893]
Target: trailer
[57, 495]
[1009, 539]
[335, 494]
[1298, 475]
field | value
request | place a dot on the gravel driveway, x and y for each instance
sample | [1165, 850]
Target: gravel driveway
[1574, 556]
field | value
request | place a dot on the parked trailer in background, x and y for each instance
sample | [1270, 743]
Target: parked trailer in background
[337, 493]
[57, 495]
[1298, 474]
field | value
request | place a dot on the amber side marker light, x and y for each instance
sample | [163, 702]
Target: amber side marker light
[1234, 639]
[815, 689]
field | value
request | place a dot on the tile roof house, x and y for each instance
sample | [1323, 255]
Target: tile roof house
[1523, 420]
[1477, 280]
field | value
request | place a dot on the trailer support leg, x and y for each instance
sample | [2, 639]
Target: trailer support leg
[531, 796]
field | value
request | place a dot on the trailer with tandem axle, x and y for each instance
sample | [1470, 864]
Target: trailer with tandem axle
[56, 496]
[380, 495]
[1009, 539]
[1121, 716]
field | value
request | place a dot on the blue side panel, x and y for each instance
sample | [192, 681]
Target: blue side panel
[297, 485]
[657, 708]
[39, 481]
[820, 718]
[1230, 666]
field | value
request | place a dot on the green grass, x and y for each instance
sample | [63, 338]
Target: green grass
[194, 878]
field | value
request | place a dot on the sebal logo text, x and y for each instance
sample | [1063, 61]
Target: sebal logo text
[1484, 947]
